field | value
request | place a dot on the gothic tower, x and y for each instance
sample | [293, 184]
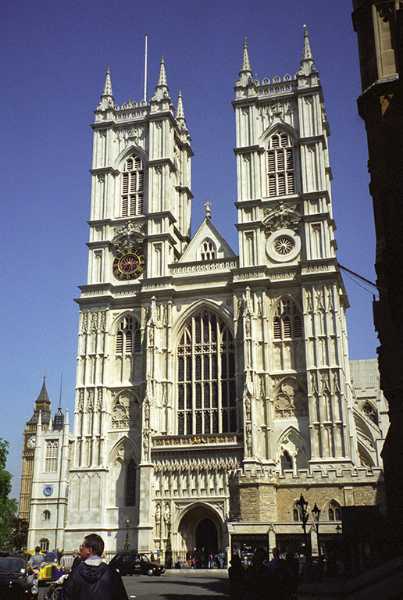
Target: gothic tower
[42, 407]
[139, 225]
[294, 315]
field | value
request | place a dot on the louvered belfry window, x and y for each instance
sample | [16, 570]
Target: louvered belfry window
[280, 166]
[128, 336]
[132, 187]
[206, 377]
[287, 322]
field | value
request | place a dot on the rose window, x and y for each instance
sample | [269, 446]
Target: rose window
[284, 245]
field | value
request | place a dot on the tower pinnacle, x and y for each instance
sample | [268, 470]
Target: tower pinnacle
[162, 80]
[307, 66]
[307, 55]
[108, 83]
[246, 67]
[180, 113]
[107, 99]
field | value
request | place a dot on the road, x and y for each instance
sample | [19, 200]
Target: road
[171, 587]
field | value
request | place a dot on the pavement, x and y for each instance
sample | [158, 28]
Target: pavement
[187, 585]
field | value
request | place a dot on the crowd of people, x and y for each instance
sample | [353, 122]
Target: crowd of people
[264, 578]
[202, 559]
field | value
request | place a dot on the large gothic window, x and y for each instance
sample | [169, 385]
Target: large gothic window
[128, 336]
[280, 165]
[52, 448]
[132, 187]
[287, 322]
[206, 377]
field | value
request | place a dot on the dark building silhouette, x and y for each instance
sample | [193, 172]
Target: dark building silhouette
[379, 26]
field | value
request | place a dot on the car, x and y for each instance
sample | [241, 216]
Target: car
[134, 563]
[50, 569]
[15, 581]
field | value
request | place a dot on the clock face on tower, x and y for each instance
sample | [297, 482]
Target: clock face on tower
[129, 264]
[31, 442]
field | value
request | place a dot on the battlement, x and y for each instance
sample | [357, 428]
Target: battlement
[333, 474]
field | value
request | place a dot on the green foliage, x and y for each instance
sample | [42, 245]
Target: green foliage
[8, 507]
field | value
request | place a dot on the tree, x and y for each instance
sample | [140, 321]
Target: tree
[8, 506]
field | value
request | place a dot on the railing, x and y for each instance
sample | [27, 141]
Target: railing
[196, 440]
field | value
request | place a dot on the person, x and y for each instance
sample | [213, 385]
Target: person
[236, 577]
[36, 559]
[92, 578]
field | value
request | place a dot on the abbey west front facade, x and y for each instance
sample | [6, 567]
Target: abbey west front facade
[212, 388]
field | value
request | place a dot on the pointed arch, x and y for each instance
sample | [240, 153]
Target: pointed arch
[221, 312]
[208, 249]
[125, 153]
[278, 127]
[287, 318]
[122, 450]
[279, 142]
[292, 442]
[206, 386]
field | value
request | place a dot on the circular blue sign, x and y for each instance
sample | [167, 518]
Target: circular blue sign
[48, 490]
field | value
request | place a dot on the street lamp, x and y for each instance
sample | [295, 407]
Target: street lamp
[316, 516]
[127, 522]
[303, 511]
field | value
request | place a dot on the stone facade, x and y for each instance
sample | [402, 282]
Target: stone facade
[209, 385]
[379, 27]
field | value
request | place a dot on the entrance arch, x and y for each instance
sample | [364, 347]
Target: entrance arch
[201, 527]
[206, 536]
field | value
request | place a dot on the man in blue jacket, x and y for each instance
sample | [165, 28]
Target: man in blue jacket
[93, 579]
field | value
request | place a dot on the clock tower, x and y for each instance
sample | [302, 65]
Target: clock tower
[42, 405]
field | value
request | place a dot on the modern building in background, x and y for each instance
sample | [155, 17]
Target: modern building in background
[212, 388]
[379, 27]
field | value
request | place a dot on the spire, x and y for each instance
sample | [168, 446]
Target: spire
[43, 397]
[307, 66]
[180, 113]
[246, 67]
[107, 99]
[108, 83]
[162, 80]
[307, 55]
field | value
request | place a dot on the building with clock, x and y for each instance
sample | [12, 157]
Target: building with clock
[213, 388]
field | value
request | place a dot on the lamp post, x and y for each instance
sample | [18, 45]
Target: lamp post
[303, 509]
[127, 522]
[316, 516]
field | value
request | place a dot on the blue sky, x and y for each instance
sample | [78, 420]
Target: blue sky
[53, 60]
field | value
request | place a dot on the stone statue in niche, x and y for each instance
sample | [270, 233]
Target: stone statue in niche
[124, 412]
[290, 400]
[281, 217]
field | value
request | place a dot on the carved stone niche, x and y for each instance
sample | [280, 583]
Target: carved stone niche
[290, 399]
[128, 237]
[281, 217]
[125, 410]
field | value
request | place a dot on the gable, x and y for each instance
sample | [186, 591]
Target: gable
[207, 240]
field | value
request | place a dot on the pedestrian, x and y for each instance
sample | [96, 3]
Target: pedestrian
[36, 559]
[92, 578]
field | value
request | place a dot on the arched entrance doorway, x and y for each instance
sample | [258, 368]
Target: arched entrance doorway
[200, 529]
[206, 536]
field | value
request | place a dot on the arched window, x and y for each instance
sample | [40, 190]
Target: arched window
[46, 515]
[132, 189]
[296, 513]
[334, 512]
[128, 336]
[208, 250]
[371, 412]
[286, 461]
[280, 165]
[206, 377]
[44, 544]
[287, 322]
[52, 449]
[130, 492]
